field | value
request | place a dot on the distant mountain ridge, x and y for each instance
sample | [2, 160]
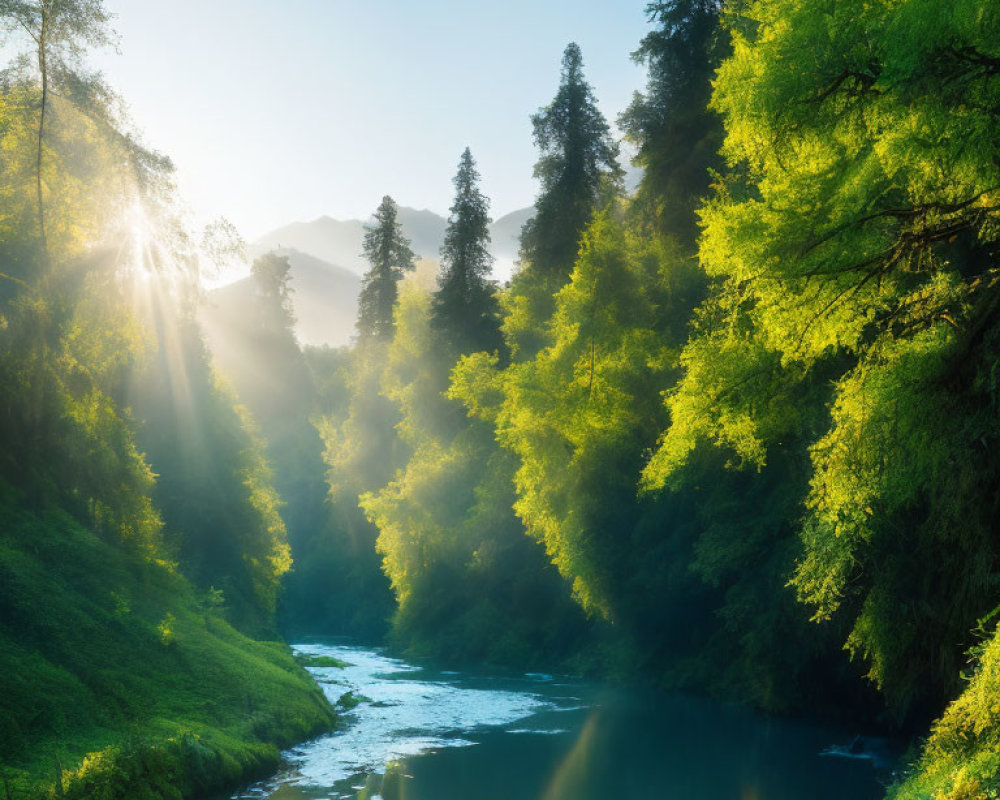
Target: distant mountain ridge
[326, 269]
[324, 299]
[339, 242]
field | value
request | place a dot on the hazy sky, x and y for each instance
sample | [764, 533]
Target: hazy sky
[281, 111]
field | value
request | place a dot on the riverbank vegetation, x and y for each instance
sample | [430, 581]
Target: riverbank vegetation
[734, 432]
[141, 549]
[747, 413]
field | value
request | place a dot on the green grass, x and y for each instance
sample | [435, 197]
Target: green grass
[350, 700]
[120, 680]
[307, 660]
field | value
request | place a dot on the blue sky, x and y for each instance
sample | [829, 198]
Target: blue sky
[282, 111]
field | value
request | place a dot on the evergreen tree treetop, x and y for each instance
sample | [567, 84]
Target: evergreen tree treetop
[390, 256]
[578, 158]
[677, 135]
[464, 307]
[467, 238]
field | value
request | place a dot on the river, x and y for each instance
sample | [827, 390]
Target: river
[422, 734]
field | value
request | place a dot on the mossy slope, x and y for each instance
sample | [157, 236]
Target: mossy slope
[117, 677]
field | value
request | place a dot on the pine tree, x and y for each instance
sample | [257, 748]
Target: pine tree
[678, 136]
[464, 308]
[578, 160]
[389, 253]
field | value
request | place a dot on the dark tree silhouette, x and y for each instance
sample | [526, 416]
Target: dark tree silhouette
[389, 253]
[578, 160]
[464, 307]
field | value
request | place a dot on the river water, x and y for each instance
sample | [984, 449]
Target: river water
[421, 734]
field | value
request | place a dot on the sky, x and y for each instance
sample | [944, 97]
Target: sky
[275, 112]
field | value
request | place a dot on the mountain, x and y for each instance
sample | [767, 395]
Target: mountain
[326, 265]
[324, 296]
[330, 240]
[505, 235]
[340, 241]
[424, 229]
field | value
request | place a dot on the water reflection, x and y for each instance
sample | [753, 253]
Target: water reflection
[421, 735]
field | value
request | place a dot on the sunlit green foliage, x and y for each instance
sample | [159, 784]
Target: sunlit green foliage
[91, 683]
[111, 663]
[362, 451]
[468, 583]
[336, 586]
[857, 240]
[701, 474]
[70, 336]
[56, 32]
[961, 759]
[576, 412]
[213, 484]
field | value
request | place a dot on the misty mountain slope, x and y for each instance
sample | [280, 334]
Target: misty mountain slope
[505, 236]
[327, 239]
[324, 297]
[424, 229]
[505, 232]
[340, 241]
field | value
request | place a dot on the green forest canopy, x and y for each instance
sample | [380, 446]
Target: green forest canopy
[735, 433]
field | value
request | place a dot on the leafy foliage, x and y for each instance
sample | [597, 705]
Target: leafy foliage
[108, 658]
[850, 244]
[90, 682]
[466, 580]
[571, 413]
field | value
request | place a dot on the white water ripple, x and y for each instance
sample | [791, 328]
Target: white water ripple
[398, 716]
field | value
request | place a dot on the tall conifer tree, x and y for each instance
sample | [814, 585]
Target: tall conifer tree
[464, 308]
[579, 173]
[389, 253]
[578, 158]
[677, 135]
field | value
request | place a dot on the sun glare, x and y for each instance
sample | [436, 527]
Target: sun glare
[137, 261]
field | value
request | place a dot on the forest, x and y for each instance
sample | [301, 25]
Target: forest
[733, 433]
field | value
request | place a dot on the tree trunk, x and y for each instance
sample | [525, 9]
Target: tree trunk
[43, 69]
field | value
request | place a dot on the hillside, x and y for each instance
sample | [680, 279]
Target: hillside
[326, 267]
[339, 242]
[123, 680]
[327, 239]
[505, 238]
[324, 297]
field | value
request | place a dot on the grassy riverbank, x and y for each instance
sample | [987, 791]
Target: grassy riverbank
[118, 680]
